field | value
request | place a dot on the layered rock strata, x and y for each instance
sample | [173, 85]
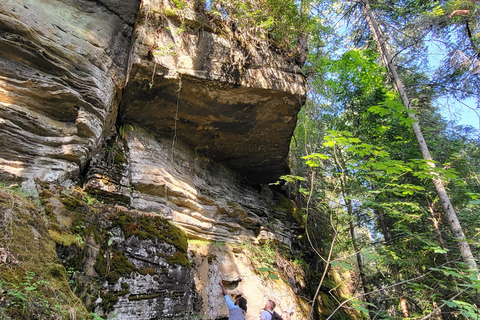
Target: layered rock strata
[223, 217]
[62, 68]
[193, 79]
[208, 200]
[169, 115]
[64, 65]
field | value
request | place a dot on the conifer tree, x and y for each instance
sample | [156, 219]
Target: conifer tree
[447, 207]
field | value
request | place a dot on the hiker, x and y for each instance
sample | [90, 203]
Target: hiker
[237, 310]
[268, 313]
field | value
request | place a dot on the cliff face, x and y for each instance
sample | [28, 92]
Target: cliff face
[226, 99]
[63, 65]
[161, 112]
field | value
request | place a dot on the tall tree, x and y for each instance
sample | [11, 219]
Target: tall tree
[413, 247]
[447, 207]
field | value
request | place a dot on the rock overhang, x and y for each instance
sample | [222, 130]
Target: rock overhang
[246, 129]
[232, 102]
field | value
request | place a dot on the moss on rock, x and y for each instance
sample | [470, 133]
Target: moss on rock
[179, 258]
[136, 297]
[34, 284]
[63, 238]
[77, 248]
[152, 227]
[113, 265]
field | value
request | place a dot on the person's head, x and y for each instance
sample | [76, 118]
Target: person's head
[241, 302]
[270, 305]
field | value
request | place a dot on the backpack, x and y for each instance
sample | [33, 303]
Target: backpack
[275, 316]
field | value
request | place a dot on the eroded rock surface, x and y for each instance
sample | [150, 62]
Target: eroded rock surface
[136, 265]
[158, 283]
[208, 200]
[237, 266]
[205, 122]
[62, 68]
[123, 264]
[230, 101]
[224, 218]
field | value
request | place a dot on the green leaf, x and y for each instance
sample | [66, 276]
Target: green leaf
[287, 178]
[344, 265]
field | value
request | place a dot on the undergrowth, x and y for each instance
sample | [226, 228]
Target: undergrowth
[32, 285]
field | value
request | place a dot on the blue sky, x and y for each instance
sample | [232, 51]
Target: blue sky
[460, 111]
[451, 109]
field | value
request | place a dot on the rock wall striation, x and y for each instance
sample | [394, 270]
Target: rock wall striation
[224, 218]
[63, 65]
[163, 114]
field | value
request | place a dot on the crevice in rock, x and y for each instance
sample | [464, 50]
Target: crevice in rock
[132, 21]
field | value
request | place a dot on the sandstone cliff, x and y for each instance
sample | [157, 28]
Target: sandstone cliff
[159, 112]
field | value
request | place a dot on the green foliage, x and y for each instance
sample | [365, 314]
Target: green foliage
[312, 160]
[278, 21]
[264, 258]
[96, 317]
[467, 310]
[393, 107]
[90, 200]
[168, 50]
[353, 142]
[435, 12]
[467, 281]
[178, 7]
[289, 179]
[123, 129]
[26, 299]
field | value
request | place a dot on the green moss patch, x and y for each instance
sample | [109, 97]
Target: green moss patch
[288, 207]
[113, 265]
[145, 271]
[33, 283]
[135, 297]
[109, 300]
[178, 258]
[152, 227]
[63, 238]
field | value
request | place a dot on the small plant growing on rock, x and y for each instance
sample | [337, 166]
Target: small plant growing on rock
[122, 130]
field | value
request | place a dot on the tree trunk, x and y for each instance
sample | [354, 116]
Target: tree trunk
[363, 278]
[394, 266]
[437, 229]
[447, 207]
[348, 202]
